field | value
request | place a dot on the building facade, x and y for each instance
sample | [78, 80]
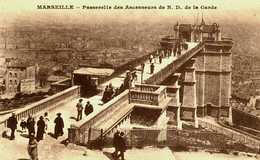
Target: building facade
[20, 78]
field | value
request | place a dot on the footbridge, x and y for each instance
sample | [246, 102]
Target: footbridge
[198, 84]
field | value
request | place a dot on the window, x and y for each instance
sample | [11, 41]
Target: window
[15, 74]
[11, 81]
[10, 74]
[15, 82]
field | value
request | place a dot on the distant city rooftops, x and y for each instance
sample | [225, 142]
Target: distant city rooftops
[18, 63]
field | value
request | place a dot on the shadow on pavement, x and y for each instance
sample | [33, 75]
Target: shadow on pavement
[65, 142]
[73, 118]
[25, 135]
[109, 155]
[52, 135]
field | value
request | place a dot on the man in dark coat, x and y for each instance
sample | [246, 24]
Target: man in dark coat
[12, 124]
[121, 145]
[152, 68]
[160, 59]
[40, 129]
[59, 125]
[88, 108]
[105, 95]
[115, 144]
[79, 109]
[30, 125]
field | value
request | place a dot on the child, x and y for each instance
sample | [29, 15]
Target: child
[23, 125]
[46, 120]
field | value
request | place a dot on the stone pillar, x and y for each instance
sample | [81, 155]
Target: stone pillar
[192, 39]
[74, 135]
[173, 109]
[178, 104]
[189, 105]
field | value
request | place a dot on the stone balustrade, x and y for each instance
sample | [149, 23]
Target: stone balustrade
[147, 96]
[146, 87]
[43, 104]
[144, 97]
[80, 132]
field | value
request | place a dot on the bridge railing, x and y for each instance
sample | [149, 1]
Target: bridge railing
[146, 87]
[148, 97]
[245, 139]
[162, 93]
[170, 68]
[144, 97]
[43, 104]
[79, 133]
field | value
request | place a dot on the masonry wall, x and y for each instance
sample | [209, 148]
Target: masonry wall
[241, 118]
[213, 78]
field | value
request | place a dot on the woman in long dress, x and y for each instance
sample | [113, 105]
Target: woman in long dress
[32, 148]
[40, 129]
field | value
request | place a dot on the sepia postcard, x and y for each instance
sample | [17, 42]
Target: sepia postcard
[129, 80]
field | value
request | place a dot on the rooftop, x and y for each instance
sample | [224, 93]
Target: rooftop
[94, 71]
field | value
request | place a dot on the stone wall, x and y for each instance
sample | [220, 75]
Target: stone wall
[241, 118]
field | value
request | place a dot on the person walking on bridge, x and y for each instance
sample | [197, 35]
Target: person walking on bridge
[122, 145]
[12, 124]
[88, 108]
[59, 125]
[115, 144]
[79, 109]
[40, 129]
[46, 121]
[30, 125]
[151, 68]
[32, 147]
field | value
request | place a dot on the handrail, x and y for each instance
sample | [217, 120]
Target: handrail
[166, 71]
[90, 120]
[48, 102]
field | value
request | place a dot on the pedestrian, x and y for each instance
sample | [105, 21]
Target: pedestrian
[142, 66]
[122, 145]
[40, 129]
[23, 125]
[105, 95]
[32, 147]
[79, 109]
[152, 68]
[46, 121]
[127, 80]
[59, 125]
[12, 124]
[30, 125]
[115, 144]
[160, 59]
[110, 91]
[88, 108]
[151, 58]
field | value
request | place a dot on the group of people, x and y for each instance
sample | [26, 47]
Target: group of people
[29, 124]
[108, 94]
[88, 109]
[42, 126]
[119, 143]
